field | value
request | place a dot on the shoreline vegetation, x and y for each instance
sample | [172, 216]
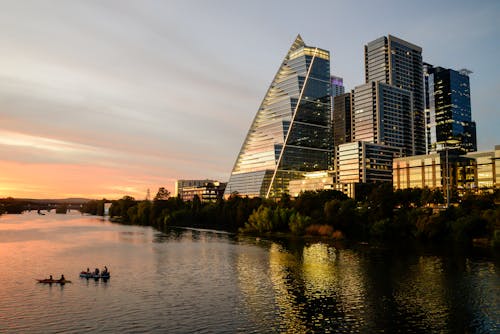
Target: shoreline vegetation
[377, 214]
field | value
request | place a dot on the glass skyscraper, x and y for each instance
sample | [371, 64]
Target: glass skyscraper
[449, 121]
[398, 63]
[291, 132]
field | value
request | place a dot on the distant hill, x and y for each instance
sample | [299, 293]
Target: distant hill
[53, 201]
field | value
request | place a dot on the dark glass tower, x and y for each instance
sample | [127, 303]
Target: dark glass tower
[449, 121]
[291, 132]
[399, 63]
[342, 108]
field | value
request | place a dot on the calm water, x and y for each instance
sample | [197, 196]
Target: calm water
[191, 281]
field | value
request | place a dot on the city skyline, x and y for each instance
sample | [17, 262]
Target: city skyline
[124, 97]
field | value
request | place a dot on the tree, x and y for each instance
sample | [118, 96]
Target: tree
[162, 194]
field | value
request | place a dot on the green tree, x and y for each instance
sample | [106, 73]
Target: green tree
[162, 194]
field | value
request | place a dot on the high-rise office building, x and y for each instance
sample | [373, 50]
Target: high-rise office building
[398, 63]
[337, 85]
[342, 108]
[448, 109]
[382, 114]
[291, 132]
[363, 162]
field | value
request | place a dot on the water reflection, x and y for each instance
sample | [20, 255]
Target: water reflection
[183, 280]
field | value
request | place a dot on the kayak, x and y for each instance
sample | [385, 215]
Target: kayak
[50, 281]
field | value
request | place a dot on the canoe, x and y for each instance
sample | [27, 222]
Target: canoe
[84, 274]
[51, 281]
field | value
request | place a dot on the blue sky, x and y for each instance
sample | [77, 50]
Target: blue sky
[106, 98]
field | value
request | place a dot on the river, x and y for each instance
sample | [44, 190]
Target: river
[196, 281]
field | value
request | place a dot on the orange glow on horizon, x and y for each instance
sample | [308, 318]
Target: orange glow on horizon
[43, 180]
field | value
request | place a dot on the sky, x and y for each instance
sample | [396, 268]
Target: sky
[101, 99]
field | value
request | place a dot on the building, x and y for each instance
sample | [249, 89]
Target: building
[342, 115]
[487, 171]
[291, 132]
[337, 85]
[382, 114]
[398, 63]
[322, 180]
[364, 162]
[179, 185]
[439, 169]
[207, 192]
[448, 109]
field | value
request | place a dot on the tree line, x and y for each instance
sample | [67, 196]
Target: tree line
[377, 212]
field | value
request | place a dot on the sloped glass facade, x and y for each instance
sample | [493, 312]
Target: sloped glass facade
[291, 132]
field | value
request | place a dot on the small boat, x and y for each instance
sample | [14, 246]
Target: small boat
[104, 275]
[53, 281]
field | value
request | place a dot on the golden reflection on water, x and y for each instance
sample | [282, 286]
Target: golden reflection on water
[282, 270]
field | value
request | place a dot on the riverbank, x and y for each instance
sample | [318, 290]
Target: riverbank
[381, 214]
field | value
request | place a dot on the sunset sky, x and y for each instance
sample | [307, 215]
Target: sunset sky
[107, 98]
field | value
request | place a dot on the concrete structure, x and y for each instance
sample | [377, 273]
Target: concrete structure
[322, 180]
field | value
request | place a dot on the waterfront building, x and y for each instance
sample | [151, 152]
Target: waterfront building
[291, 132]
[435, 171]
[179, 185]
[342, 115]
[448, 109]
[364, 162]
[382, 114]
[337, 85]
[207, 192]
[398, 63]
[487, 171]
[322, 180]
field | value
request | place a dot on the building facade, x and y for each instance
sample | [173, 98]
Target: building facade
[382, 114]
[487, 171]
[364, 162]
[449, 109]
[398, 63]
[180, 185]
[291, 132]
[445, 168]
[342, 115]
[206, 192]
[337, 85]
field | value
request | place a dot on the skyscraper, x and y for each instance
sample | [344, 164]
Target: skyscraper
[398, 63]
[342, 108]
[291, 132]
[337, 85]
[382, 114]
[449, 121]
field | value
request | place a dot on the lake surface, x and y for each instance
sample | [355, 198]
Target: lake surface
[193, 281]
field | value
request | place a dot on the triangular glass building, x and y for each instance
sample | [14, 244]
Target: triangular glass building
[291, 133]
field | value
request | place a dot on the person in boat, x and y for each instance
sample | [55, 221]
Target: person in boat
[62, 279]
[50, 278]
[105, 271]
[96, 271]
[88, 270]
